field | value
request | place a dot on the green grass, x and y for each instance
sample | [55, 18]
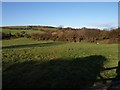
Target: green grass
[0, 29]
[56, 64]
[27, 31]
[49, 28]
[19, 31]
[21, 41]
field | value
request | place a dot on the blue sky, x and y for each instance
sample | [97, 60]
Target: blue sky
[60, 0]
[74, 14]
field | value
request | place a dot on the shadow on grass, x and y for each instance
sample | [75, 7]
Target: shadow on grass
[115, 84]
[34, 45]
[60, 73]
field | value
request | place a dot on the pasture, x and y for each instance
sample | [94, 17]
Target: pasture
[27, 31]
[52, 64]
[18, 31]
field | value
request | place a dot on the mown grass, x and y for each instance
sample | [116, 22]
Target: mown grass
[56, 64]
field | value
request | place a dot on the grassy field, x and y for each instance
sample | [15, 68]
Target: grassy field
[27, 31]
[29, 63]
[49, 28]
[18, 31]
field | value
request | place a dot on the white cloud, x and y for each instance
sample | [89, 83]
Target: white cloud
[105, 25]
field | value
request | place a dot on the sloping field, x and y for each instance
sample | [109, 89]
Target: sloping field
[18, 31]
[29, 63]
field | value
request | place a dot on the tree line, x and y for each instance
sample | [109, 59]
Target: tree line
[70, 35]
[87, 35]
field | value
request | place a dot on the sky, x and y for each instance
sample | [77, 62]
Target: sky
[67, 14]
[60, 0]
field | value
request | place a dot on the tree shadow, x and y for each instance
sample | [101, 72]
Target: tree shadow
[33, 45]
[115, 84]
[60, 73]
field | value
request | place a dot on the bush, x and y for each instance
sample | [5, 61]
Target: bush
[78, 35]
[6, 35]
[18, 35]
[35, 36]
[27, 36]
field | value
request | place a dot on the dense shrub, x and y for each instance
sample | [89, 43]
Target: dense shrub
[67, 34]
[78, 35]
[6, 35]
[35, 36]
[18, 35]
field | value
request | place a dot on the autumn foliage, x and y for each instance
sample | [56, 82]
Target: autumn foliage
[67, 34]
[79, 35]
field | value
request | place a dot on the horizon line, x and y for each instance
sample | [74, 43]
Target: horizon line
[62, 26]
